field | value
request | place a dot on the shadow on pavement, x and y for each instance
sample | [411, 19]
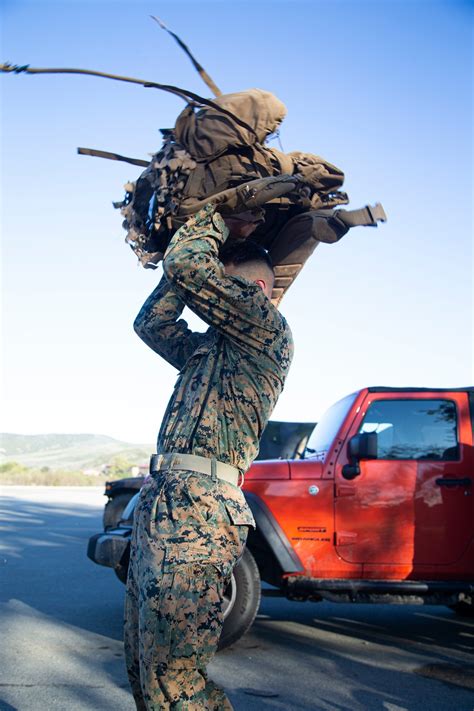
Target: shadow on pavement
[61, 613]
[44, 565]
[373, 655]
[342, 657]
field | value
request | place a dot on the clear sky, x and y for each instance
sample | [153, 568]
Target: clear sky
[382, 89]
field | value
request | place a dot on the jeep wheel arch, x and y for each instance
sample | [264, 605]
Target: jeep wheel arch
[269, 545]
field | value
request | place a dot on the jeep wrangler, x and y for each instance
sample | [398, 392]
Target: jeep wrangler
[379, 509]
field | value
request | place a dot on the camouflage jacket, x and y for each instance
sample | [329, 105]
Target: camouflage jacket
[231, 376]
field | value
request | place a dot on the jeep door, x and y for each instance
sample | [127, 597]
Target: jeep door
[411, 508]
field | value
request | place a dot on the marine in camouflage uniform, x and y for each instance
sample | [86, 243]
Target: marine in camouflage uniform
[190, 528]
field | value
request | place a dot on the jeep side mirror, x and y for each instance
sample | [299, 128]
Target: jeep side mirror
[361, 446]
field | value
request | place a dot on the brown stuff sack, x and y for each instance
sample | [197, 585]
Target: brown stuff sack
[209, 153]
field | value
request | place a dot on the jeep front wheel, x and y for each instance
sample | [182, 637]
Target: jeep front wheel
[241, 600]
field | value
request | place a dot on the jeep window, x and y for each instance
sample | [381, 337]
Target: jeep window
[413, 429]
[327, 428]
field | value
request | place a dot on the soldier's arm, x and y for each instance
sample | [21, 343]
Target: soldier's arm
[159, 326]
[230, 304]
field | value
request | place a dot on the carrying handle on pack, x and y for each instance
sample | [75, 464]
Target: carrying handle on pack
[248, 196]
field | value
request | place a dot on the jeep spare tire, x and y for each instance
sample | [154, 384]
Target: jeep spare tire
[241, 600]
[114, 509]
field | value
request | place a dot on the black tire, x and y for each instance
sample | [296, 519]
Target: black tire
[242, 600]
[114, 509]
[463, 609]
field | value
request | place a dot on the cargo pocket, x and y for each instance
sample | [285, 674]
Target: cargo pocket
[192, 593]
[240, 516]
[189, 555]
[218, 546]
[239, 513]
[155, 628]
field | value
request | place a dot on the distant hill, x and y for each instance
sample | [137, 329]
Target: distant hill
[68, 451]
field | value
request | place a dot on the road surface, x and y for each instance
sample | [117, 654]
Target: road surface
[61, 627]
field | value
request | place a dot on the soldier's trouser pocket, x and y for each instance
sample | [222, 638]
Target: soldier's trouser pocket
[200, 520]
[180, 628]
[187, 621]
[185, 614]
[197, 535]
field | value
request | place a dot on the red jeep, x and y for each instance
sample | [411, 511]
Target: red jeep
[379, 509]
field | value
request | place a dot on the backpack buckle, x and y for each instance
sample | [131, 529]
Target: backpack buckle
[376, 213]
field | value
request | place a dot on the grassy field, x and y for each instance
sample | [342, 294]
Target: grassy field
[67, 459]
[13, 473]
[69, 452]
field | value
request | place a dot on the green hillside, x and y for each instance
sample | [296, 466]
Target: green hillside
[69, 451]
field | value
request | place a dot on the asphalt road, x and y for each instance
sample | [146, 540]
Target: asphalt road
[61, 626]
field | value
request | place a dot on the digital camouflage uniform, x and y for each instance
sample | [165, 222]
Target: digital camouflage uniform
[190, 528]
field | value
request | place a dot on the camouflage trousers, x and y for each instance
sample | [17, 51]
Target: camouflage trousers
[189, 531]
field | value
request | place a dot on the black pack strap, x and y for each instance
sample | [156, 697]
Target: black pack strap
[367, 216]
[182, 93]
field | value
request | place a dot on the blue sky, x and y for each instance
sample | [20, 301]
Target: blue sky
[381, 89]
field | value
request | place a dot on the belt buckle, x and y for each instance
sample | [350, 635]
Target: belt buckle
[156, 462]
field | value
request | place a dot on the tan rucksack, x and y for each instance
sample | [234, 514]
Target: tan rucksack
[217, 153]
[208, 157]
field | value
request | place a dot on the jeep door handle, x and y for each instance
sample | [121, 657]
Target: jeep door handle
[454, 482]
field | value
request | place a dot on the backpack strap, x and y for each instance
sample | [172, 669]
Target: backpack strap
[198, 67]
[112, 156]
[183, 93]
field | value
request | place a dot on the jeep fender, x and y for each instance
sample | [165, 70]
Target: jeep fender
[273, 535]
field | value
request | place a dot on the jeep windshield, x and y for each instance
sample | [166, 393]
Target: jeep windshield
[327, 428]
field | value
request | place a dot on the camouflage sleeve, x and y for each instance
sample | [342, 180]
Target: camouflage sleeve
[232, 305]
[158, 326]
